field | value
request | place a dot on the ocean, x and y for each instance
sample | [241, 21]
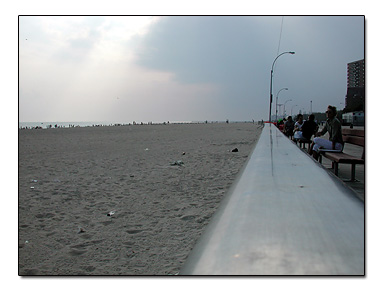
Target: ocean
[61, 124]
[46, 125]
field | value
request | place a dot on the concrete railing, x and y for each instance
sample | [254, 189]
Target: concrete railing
[284, 215]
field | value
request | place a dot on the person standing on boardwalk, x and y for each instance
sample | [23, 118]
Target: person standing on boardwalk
[334, 128]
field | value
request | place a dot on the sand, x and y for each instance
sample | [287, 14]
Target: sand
[71, 179]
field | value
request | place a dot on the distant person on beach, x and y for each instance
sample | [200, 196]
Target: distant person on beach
[298, 127]
[309, 127]
[334, 129]
[288, 128]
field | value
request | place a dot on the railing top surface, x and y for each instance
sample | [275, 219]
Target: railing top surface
[284, 215]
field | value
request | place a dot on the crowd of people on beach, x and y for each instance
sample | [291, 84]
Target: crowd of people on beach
[305, 129]
[133, 123]
[49, 126]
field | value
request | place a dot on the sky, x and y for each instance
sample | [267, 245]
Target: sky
[182, 68]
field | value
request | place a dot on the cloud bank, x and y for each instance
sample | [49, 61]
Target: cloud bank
[181, 68]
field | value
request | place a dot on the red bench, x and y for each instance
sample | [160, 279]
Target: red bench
[351, 136]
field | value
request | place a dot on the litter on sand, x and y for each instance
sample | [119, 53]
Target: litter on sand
[111, 213]
[80, 230]
[177, 163]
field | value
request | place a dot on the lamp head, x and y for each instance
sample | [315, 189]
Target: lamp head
[292, 53]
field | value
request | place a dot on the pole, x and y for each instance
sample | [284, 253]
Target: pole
[276, 103]
[292, 107]
[284, 107]
[279, 109]
[271, 81]
[271, 91]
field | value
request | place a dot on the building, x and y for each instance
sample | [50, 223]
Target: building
[353, 118]
[355, 98]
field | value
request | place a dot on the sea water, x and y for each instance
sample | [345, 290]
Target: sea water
[61, 124]
[45, 125]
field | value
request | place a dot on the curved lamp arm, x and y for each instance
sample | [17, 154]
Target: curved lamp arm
[271, 80]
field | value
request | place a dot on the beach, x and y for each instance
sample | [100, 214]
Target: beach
[122, 200]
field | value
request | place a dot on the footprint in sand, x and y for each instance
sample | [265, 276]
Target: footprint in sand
[187, 218]
[76, 252]
[134, 231]
[79, 249]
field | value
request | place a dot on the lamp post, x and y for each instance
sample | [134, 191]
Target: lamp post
[279, 108]
[271, 81]
[292, 107]
[276, 103]
[284, 107]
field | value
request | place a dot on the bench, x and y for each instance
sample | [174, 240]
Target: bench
[351, 136]
[303, 141]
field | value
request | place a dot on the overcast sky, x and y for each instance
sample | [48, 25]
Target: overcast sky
[182, 68]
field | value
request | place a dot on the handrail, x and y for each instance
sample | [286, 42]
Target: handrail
[284, 215]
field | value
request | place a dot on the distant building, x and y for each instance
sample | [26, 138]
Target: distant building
[355, 98]
[354, 118]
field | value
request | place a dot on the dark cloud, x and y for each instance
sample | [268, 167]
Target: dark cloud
[228, 51]
[203, 49]
[237, 53]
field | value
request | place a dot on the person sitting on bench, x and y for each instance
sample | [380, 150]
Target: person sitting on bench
[288, 128]
[334, 128]
[309, 127]
[298, 127]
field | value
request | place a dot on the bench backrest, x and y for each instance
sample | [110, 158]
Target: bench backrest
[353, 132]
[354, 136]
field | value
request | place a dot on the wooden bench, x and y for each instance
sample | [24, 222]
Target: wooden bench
[351, 136]
[303, 141]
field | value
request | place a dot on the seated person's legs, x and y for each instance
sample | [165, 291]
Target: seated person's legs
[320, 143]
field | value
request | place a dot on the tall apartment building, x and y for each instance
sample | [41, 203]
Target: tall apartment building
[355, 98]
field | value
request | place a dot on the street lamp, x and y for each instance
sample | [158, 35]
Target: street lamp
[279, 108]
[276, 103]
[292, 107]
[271, 81]
[284, 107]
